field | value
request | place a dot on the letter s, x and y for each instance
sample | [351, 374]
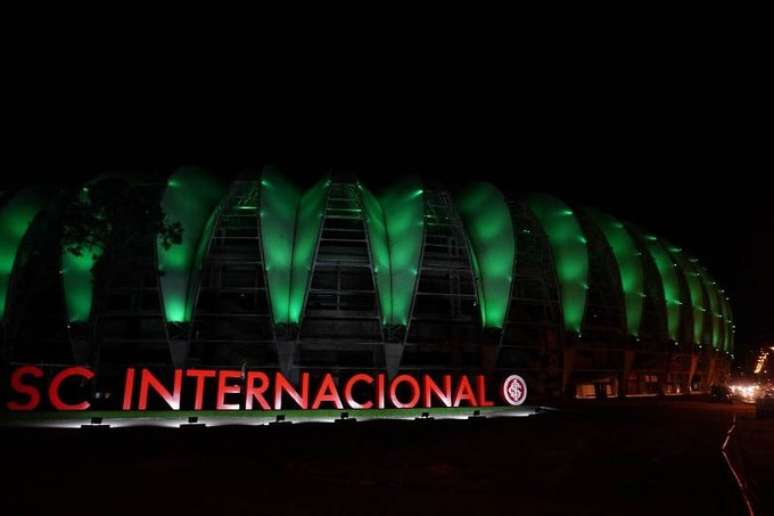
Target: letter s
[21, 388]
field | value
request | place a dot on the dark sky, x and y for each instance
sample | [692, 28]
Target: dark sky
[682, 158]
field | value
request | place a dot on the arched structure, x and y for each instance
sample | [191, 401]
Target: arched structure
[493, 248]
[568, 246]
[190, 199]
[698, 300]
[670, 284]
[395, 222]
[630, 267]
[338, 276]
[16, 215]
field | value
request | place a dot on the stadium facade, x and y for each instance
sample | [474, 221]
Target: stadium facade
[339, 278]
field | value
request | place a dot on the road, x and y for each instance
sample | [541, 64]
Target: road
[633, 457]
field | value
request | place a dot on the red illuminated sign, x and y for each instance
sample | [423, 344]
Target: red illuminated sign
[32, 393]
[514, 390]
[227, 389]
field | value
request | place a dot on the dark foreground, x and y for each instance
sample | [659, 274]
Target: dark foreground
[634, 457]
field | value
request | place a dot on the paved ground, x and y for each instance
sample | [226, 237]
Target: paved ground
[755, 438]
[634, 457]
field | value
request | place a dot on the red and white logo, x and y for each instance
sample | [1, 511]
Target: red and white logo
[515, 390]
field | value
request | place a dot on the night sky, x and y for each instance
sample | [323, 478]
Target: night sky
[683, 163]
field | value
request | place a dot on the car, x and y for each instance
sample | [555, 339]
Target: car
[721, 393]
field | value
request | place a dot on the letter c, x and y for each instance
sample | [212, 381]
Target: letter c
[53, 389]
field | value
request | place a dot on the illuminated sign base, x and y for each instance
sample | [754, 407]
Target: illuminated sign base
[214, 418]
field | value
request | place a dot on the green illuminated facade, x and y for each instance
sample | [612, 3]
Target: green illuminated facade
[695, 290]
[338, 275]
[78, 283]
[290, 228]
[727, 323]
[670, 284]
[729, 340]
[77, 277]
[716, 314]
[395, 224]
[493, 248]
[571, 259]
[191, 198]
[724, 329]
[16, 215]
[630, 266]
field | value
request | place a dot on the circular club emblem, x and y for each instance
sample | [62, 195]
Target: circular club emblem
[515, 390]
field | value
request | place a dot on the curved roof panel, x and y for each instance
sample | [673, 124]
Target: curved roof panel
[191, 198]
[568, 246]
[395, 225]
[16, 216]
[630, 266]
[490, 232]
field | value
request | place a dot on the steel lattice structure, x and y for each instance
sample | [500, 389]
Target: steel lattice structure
[340, 278]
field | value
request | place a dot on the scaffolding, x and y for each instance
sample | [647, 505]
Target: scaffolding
[340, 328]
[444, 324]
[232, 319]
[532, 333]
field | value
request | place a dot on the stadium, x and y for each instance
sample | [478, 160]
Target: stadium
[342, 278]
